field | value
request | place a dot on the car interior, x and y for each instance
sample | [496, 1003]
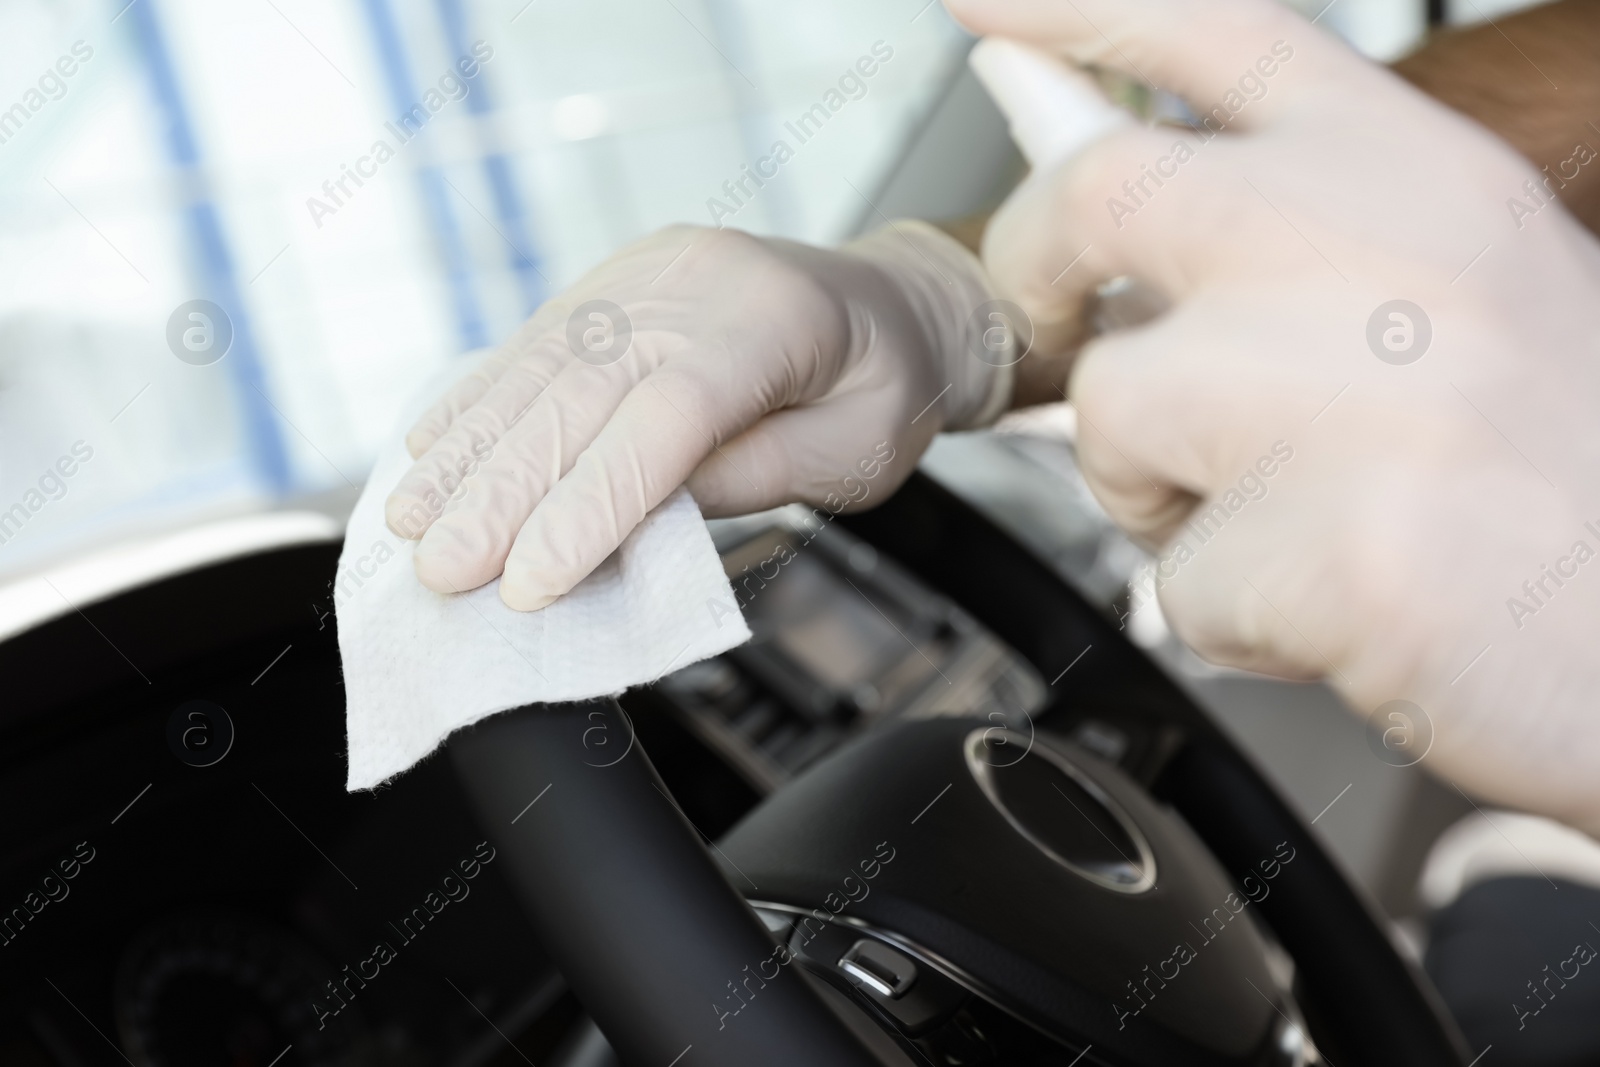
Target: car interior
[911, 657]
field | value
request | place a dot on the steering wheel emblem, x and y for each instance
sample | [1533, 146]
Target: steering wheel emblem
[1061, 810]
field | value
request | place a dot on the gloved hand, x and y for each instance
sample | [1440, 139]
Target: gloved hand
[1404, 498]
[762, 372]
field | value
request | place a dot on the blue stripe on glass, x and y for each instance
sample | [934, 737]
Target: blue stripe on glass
[218, 279]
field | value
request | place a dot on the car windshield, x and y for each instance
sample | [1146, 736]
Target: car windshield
[237, 238]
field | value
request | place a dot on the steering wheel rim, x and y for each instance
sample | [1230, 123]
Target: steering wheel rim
[1366, 1003]
[1367, 997]
[629, 903]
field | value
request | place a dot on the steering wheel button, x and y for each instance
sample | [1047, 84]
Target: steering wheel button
[879, 968]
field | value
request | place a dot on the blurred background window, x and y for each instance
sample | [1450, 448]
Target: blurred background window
[367, 189]
[238, 235]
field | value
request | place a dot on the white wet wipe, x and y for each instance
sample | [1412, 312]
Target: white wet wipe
[419, 665]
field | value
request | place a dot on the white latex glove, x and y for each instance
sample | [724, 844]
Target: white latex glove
[1382, 502]
[762, 372]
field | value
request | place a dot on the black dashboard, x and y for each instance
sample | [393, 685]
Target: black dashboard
[226, 893]
[179, 749]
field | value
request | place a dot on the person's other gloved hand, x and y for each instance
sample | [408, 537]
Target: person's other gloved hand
[760, 372]
[1402, 498]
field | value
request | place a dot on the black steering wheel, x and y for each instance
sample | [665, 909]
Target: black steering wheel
[1037, 921]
